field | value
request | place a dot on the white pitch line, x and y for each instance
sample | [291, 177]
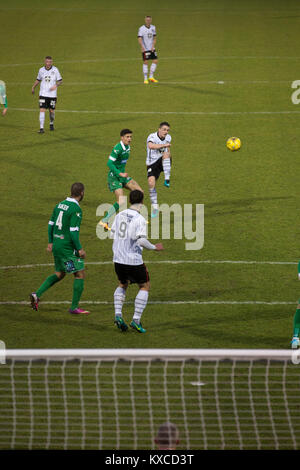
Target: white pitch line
[180, 261]
[159, 302]
[200, 82]
[178, 113]
[137, 59]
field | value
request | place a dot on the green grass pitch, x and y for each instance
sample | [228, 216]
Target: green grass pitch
[225, 68]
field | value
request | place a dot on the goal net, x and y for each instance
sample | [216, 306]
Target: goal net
[117, 399]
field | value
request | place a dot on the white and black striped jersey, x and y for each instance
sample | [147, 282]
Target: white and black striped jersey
[154, 154]
[128, 227]
[147, 35]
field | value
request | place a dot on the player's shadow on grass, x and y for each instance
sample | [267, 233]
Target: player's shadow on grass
[49, 317]
[204, 329]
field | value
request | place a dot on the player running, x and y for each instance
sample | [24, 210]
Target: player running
[158, 160]
[49, 79]
[129, 232]
[147, 41]
[3, 97]
[117, 177]
[63, 238]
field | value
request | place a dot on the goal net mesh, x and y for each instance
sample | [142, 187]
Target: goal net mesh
[78, 402]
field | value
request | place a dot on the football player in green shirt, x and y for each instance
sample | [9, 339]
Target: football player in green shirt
[64, 243]
[117, 177]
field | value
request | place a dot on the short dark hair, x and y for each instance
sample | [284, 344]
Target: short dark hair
[167, 435]
[136, 196]
[48, 57]
[125, 131]
[164, 123]
[77, 189]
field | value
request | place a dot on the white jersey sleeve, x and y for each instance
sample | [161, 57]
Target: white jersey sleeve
[155, 154]
[40, 75]
[58, 75]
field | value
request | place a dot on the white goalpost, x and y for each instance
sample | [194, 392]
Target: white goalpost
[117, 398]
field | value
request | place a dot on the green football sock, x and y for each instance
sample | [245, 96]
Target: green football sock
[297, 322]
[47, 284]
[113, 210]
[77, 291]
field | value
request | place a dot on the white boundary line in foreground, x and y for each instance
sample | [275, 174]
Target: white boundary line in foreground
[179, 113]
[100, 263]
[157, 302]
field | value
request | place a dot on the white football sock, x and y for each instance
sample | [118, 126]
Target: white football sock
[140, 304]
[153, 196]
[119, 297]
[42, 120]
[167, 167]
[145, 71]
[152, 70]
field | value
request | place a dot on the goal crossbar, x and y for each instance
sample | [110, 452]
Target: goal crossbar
[146, 354]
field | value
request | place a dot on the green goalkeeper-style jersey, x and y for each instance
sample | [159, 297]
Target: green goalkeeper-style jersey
[64, 226]
[118, 159]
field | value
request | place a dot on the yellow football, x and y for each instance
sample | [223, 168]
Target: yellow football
[233, 143]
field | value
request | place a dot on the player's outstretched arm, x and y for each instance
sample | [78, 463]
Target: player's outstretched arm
[144, 242]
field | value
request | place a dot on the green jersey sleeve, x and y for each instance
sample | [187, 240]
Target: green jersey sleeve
[75, 222]
[51, 227]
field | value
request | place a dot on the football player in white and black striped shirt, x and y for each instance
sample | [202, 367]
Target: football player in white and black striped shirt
[49, 79]
[158, 160]
[147, 41]
[129, 232]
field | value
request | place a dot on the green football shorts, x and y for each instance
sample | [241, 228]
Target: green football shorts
[68, 263]
[117, 183]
